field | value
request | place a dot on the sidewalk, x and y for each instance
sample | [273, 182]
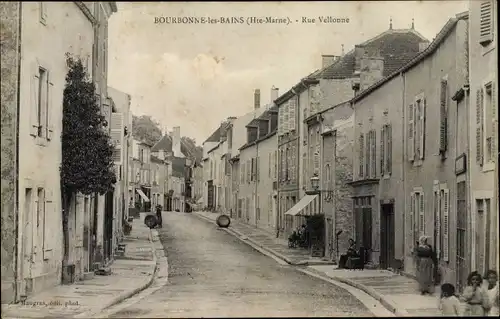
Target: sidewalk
[267, 241]
[398, 293]
[129, 275]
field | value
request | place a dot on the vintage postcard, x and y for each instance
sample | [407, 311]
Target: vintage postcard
[249, 159]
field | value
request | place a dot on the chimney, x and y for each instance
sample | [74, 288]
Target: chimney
[176, 141]
[328, 59]
[359, 53]
[274, 94]
[256, 99]
[165, 131]
[422, 46]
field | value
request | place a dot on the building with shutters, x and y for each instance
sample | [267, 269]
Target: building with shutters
[120, 126]
[483, 133]
[329, 135]
[32, 235]
[258, 176]
[408, 183]
[140, 173]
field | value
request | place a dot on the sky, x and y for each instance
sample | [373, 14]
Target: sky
[196, 75]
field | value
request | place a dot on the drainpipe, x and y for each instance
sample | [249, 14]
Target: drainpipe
[16, 258]
[403, 175]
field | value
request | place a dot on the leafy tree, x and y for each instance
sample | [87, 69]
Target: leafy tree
[87, 163]
[145, 128]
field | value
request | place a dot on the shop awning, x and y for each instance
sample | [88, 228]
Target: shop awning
[307, 206]
[143, 196]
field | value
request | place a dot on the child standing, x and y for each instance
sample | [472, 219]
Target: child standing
[475, 296]
[449, 303]
[492, 292]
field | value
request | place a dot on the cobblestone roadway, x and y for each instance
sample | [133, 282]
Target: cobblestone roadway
[213, 274]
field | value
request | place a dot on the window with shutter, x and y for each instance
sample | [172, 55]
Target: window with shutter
[280, 120]
[47, 212]
[316, 161]
[421, 211]
[275, 164]
[257, 168]
[437, 226]
[49, 109]
[422, 129]
[286, 117]
[361, 154]
[269, 163]
[412, 218]
[388, 133]
[382, 151]
[373, 150]
[411, 132]
[443, 125]
[486, 23]
[367, 155]
[446, 225]
[489, 120]
[479, 126]
[116, 132]
[292, 112]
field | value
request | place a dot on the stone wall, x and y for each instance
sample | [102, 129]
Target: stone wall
[9, 80]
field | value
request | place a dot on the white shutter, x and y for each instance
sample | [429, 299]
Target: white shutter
[422, 129]
[281, 112]
[292, 113]
[50, 111]
[382, 150]
[437, 209]
[286, 116]
[443, 116]
[412, 217]
[421, 214]
[411, 132]
[479, 126]
[48, 212]
[446, 224]
[486, 22]
[35, 79]
[117, 136]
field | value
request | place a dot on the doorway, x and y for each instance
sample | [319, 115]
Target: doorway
[387, 234]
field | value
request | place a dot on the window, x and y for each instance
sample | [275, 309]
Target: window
[461, 235]
[482, 236]
[304, 125]
[486, 23]
[416, 129]
[371, 154]
[287, 163]
[361, 154]
[411, 132]
[328, 176]
[417, 213]
[40, 122]
[386, 150]
[489, 120]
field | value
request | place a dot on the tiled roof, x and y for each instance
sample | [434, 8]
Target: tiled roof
[165, 144]
[215, 137]
[397, 47]
[440, 37]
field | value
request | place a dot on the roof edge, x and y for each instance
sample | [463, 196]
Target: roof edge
[441, 36]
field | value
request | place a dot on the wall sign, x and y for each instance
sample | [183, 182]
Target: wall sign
[461, 164]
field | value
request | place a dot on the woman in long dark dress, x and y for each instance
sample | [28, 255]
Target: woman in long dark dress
[426, 266]
[351, 252]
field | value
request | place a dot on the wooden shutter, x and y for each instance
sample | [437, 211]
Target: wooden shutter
[270, 164]
[316, 160]
[50, 111]
[446, 225]
[116, 132]
[443, 143]
[479, 126]
[422, 129]
[368, 153]
[382, 150]
[412, 215]
[437, 226]
[421, 212]
[388, 133]
[275, 164]
[281, 112]
[257, 168]
[411, 132]
[486, 23]
[286, 117]
[373, 150]
[35, 79]
[361, 154]
[47, 212]
[292, 113]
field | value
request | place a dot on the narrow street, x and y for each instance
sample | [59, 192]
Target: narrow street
[213, 274]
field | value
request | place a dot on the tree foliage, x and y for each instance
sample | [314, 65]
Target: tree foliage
[145, 128]
[87, 163]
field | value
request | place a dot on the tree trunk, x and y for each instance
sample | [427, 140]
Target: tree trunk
[66, 272]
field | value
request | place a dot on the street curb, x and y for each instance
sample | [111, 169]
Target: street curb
[389, 305]
[333, 282]
[130, 294]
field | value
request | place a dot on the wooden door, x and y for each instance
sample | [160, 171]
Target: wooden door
[387, 236]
